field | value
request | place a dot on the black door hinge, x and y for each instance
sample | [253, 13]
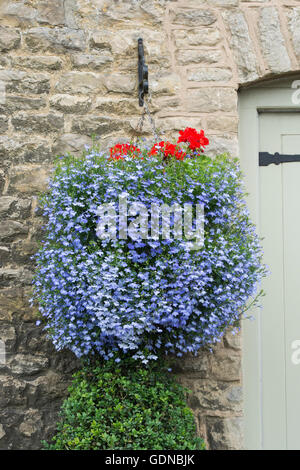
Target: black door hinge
[266, 158]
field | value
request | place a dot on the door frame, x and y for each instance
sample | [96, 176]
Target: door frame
[270, 96]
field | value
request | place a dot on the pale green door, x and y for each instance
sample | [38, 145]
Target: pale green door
[279, 187]
[271, 359]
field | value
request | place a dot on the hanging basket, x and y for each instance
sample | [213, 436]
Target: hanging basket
[112, 294]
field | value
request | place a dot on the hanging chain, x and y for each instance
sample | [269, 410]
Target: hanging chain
[147, 112]
[141, 121]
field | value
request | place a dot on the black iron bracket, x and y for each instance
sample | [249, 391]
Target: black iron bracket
[266, 158]
[143, 73]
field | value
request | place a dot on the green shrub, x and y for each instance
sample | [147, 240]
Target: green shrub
[123, 407]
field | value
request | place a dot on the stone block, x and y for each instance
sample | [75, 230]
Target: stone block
[242, 46]
[52, 13]
[272, 41]
[79, 83]
[32, 423]
[10, 277]
[195, 56]
[38, 123]
[223, 123]
[23, 251]
[28, 364]
[6, 205]
[169, 84]
[209, 74]
[121, 83]
[14, 103]
[117, 105]
[96, 62]
[4, 255]
[8, 336]
[10, 229]
[196, 37]
[70, 103]
[20, 149]
[17, 14]
[294, 25]
[21, 82]
[222, 144]
[57, 40]
[48, 388]
[2, 180]
[225, 433]
[73, 143]
[226, 365]
[193, 17]
[232, 340]
[28, 179]
[148, 11]
[9, 39]
[3, 124]
[211, 100]
[97, 125]
[12, 391]
[2, 432]
[190, 365]
[11, 302]
[35, 62]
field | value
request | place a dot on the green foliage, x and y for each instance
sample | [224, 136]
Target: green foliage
[125, 407]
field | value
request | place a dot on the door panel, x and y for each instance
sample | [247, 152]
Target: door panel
[279, 196]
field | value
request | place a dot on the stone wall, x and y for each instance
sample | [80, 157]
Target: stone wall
[68, 71]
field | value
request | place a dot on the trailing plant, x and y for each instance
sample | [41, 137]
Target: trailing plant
[145, 297]
[124, 407]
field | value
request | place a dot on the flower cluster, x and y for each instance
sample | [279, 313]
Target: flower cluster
[196, 140]
[144, 297]
[120, 151]
[168, 151]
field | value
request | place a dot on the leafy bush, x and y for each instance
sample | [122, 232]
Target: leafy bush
[125, 409]
[146, 297]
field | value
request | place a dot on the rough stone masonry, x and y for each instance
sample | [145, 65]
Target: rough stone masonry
[68, 71]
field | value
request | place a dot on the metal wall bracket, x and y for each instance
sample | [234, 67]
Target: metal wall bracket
[143, 73]
[266, 158]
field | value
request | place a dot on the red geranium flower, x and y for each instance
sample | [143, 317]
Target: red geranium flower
[196, 140]
[156, 148]
[169, 150]
[120, 150]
